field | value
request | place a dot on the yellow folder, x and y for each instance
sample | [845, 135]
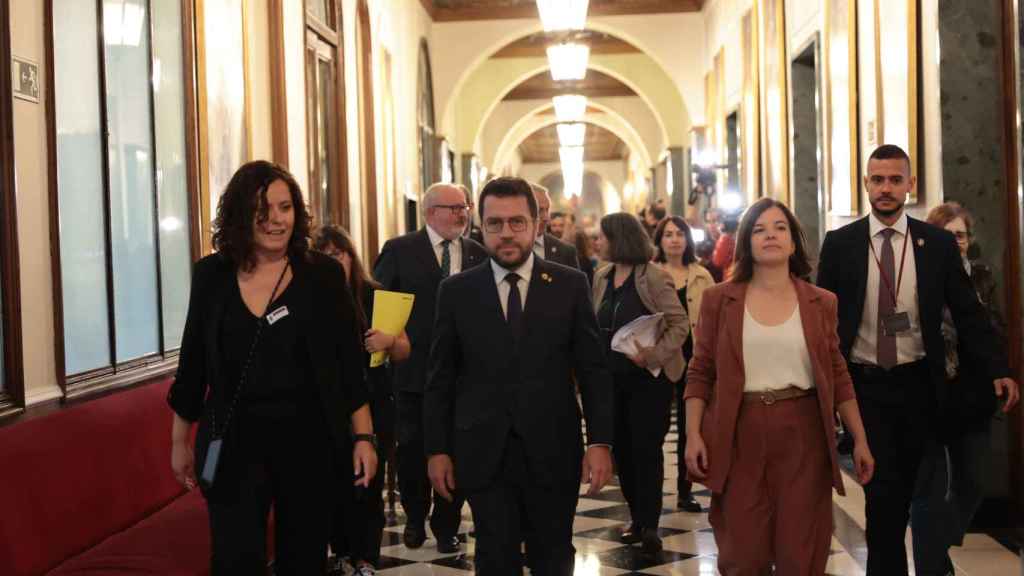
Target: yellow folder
[390, 313]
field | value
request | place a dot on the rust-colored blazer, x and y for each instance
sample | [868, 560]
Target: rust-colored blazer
[717, 375]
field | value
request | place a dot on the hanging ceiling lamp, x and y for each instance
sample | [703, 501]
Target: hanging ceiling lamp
[568, 61]
[571, 134]
[570, 107]
[563, 14]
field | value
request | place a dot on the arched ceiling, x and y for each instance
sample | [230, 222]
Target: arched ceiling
[543, 116]
[518, 71]
[600, 144]
[456, 10]
[595, 85]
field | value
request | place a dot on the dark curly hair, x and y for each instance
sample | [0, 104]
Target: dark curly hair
[244, 202]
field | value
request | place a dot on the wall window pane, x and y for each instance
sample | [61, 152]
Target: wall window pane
[80, 179]
[123, 189]
[171, 174]
[130, 157]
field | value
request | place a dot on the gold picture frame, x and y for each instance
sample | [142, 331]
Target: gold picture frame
[223, 102]
[842, 171]
[750, 167]
[774, 108]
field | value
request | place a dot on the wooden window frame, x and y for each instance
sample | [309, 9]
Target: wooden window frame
[368, 155]
[120, 374]
[341, 213]
[12, 400]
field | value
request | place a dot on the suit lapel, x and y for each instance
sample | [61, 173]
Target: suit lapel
[809, 317]
[426, 254]
[921, 267]
[860, 257]
[735, 303]
[550, 248]
[469, 258]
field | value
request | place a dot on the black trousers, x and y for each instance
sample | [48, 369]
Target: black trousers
[683, 486]
[515, 500]
[287, 463]
[643, 406]
[357, 522]
[413, 482]
[897, 407]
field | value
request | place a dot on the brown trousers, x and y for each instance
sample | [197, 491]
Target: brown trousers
[777, 503]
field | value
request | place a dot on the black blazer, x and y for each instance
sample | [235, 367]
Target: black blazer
[557, 251]
[481, 386]
[941, 281]
[408, 264]
[325, 310]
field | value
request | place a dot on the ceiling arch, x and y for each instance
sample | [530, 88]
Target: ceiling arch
[465, 47]
[537, 119]
[493, 81]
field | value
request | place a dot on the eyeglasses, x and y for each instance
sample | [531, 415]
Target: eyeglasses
[515, 223]
[455, 209]
[961, 235]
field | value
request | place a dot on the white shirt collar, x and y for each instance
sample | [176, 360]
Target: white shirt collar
[435, 238]
[877, 226]
[525, 271]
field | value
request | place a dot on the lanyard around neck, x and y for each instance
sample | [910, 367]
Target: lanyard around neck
[881, 272]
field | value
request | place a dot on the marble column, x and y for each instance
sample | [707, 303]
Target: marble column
[973, 160]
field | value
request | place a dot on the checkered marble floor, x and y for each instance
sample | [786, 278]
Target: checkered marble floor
[689, 545]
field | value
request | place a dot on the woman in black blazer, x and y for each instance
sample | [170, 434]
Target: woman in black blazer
[271, 368]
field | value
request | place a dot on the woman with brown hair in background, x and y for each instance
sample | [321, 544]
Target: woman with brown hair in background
[674, 251]
[358, 523]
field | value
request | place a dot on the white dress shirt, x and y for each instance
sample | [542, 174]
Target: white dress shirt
[910, 344]
[454, 250]
[538, 247]
[525, 272]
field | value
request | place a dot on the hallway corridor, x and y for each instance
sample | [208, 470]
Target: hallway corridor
[688, 540]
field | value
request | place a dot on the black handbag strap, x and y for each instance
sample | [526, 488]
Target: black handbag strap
[248, 362]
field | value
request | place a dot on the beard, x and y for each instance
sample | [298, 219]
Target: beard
[522, 255]
[886, 211]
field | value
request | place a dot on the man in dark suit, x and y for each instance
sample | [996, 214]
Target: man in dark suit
[500, 400]
[546, 245]
[894, 275]
[417, 263]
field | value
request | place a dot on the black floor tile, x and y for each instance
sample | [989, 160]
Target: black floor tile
[633, 558]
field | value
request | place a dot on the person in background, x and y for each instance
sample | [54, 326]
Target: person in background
[472, 230]
[570, 226]
[950, 482]
[654, 214]
[674, 251]
[556, 225]
[270, 366]
[725, 247]
[416, 263]
[357, 534]
[705, 252]
[713, 224]
[628, 288]
[545, 245]
[585, 252]
[765, 380]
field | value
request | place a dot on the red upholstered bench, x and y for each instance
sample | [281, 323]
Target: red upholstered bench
[89, 490]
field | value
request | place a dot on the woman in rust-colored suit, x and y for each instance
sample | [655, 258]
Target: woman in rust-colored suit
[765, 380]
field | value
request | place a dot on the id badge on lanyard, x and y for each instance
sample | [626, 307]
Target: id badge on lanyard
[898, 322]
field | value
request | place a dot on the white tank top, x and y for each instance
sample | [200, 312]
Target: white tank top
[776, 357]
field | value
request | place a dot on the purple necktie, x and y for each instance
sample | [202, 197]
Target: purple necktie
[886, 304]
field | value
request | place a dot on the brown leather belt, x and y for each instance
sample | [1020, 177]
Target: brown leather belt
[769, 397]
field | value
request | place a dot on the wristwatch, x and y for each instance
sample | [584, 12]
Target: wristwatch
[371, 438]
